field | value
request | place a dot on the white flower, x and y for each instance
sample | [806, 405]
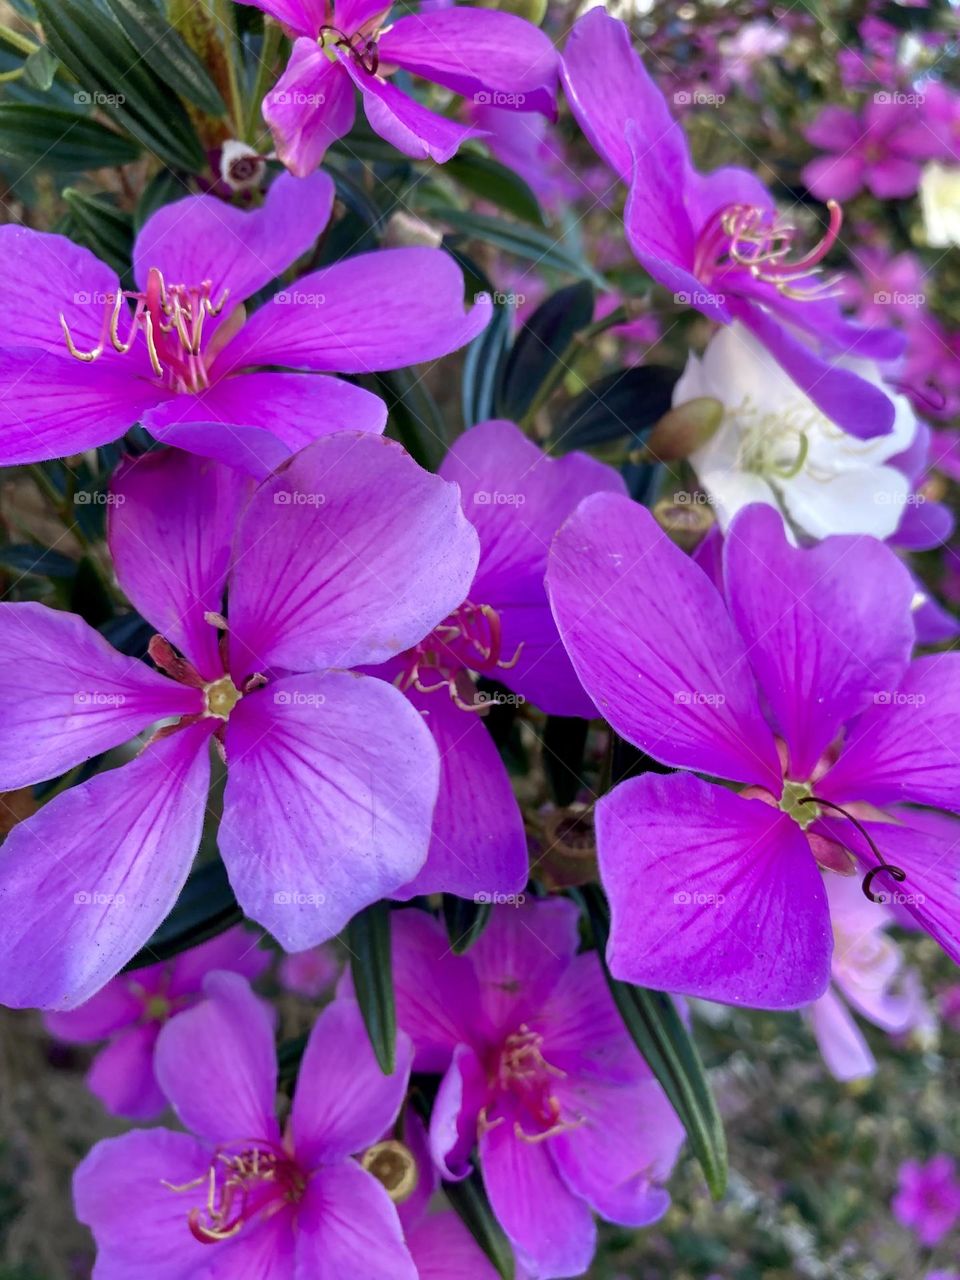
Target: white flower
[940, 201]
[775, 446]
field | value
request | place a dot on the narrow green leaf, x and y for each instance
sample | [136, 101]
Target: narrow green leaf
[541, 344]
[40, 68]
[55, 138]
[482, 365]
[469, 1200]
[465, 919]
[627, 402]
[168, 54]
[368, 939]
[659, 1033]
[102, 227]
[531, 243]
[164, 188]
[39, 562]
[493, 181]
[206, 908]
[414, 415]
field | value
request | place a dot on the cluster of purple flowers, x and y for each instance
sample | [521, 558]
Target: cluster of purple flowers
[332, 622]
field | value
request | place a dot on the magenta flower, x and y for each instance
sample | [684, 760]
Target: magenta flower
[309, 973]
[478, 53]
[928, 1199]
[131, 1010]
[880, 148]
[184, 360]
[540, 1075]
[885, 287]
[797, 684]
[516, 498]
[716, 240]
[238, 1196]
[348, 556]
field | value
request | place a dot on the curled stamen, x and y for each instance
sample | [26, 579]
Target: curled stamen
[887, 868]
[256, 1180]
[751, 238]
[469, 640]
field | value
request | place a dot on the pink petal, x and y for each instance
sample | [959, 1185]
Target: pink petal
[348, 1227]
[66, 694]
[310, 107]
[478, 846]
[582, 1029]
[302, 17]
[375, 311]
[517, 497]
[170, 533]
[403, 122]
[217, 1064]
[481, 54]
[344, 1102]
[329, 575]
[236, 950]
[811, 630]
[122, 1075]
[464, 1091]
[551, 1229]
[653, 644]
[711, 895]
[443, 1249]
[363, 755]
[839, 1039]
[835, 177]
[96, 870]
[113, 1007]
[201, 238]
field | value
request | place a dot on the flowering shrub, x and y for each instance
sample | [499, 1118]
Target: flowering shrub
[478, 694]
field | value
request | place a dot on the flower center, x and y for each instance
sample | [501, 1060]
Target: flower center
[743, 237]
[469, 639]
[362, 46]
[524, 1082]
[393, 1166]
[797, 803]
[171, 318]
[244, 1181]
[221, 697]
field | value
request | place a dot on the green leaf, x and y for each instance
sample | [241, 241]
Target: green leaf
[206, 908]
[656, 1028]
[163, 188]
[469, 1199]
[40, 68]
[465, 919]
[168, 53]
[368, 939]
[627, 402]
[522, 241]
[540, 345]
[101, 227]
[414, 415]
[493, 181]
[55, 138]
[116, 79]
[482, 364]
[29, 558]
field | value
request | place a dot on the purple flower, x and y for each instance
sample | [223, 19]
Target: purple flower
[540, 1075]
[478, 53]
[715, 240]
[238, 1196]
[309, 973]
[131, 1010]
[348, 556]
[183, 361]
[928, 1198]
[880, 148]
[885, 287]
[797, 683]
[516, 498]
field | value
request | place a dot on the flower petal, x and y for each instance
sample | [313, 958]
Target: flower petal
[348, 1226]
[711, 895]
[463, 1093]
[478, 846]
[122, 1075]
[829, 627]
[443, 1249]
[217, 1064]
[839, 1039]
[344, 1102]
[551, 1229]
[328, 574]
[96, 870]
[904, 746]
[67, 695]
[363, 755]
[201, 238]
[517, 497]
[375, 311]
[139, 1224]
[403, 122]
[481, 54]
[170, 533]
[653, 644]
[310, 107]
[583, 1031]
